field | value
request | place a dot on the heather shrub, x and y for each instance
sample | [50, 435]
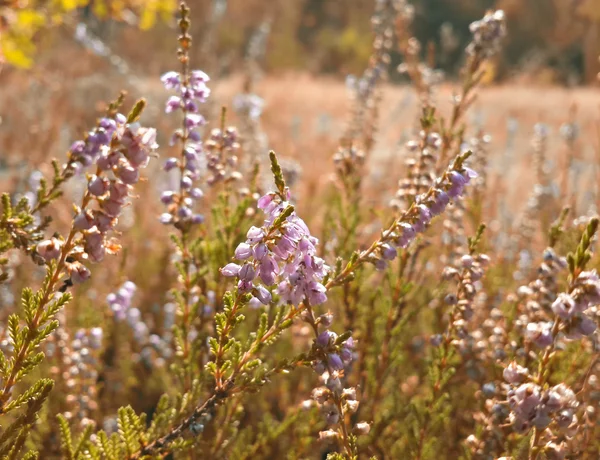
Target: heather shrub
[182, 294]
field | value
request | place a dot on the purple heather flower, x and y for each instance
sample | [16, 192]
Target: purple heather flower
[469, 174]
[436, 340]
[167, 197]
[260, 251]
[118, 191]
[439, 203]
[101, 137]
[586, 326]
[263, 295]
[334, 362]
[332, 417]
[196, 193]
[197, 219]
[424, 214]
[244, 286]
[255, 234]
[255, 303]
[83, 221]
[466, 261]
[580, 326]
[265, 201]
[540, 334]
[333, 382]
[326, 320]
[96, 334]
[325, 338]
[108, 160]
[380, 264]
[190, 153]
[171, 163]
[171, 80]
[174, 103]
[388, 252]
[166, 218]
[184, 212]
[128, 174]
[78, 272]
[247, 273]
[198, 76]
[316, 293]
[230, 269]
[407, 234]
[77, 148]
[346, 354]
[186, 182]
[98, 186]
[525, 400]
[289, 253]
[457, 178]
[319, 367]
[267, 271]
[193, 120]
[243, 251]
[458, 182]
[49, 249]
[190, 106]
[112, 207]
[514, 373]
[564, 306]
[349, 343]
[103, 221]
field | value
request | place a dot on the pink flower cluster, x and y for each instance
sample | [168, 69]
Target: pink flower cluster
[119, 150]
[191, 91]
[282, 252]
[531, 406]
[449, 186]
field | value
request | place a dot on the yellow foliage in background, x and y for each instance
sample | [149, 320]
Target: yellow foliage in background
[20, 21]
[16, 44]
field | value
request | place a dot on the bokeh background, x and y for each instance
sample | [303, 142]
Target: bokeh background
[64, 59]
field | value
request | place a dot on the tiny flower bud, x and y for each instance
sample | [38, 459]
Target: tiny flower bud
[352, 405]
[326, 320]
[247, 273]
[128, 174]
[170, 164]
[83, 221]
[362, 428]
[514, 373]
[243, 251]
[78, 272]
[263, 295]
[230, 270]
[98, 186]
[196, 193]
[49, 249]
[335, 362]
[349, 393]
[167, 197]
[328, 435]
[255, 234]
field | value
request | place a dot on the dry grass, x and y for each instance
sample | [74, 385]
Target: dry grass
[304, 118]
